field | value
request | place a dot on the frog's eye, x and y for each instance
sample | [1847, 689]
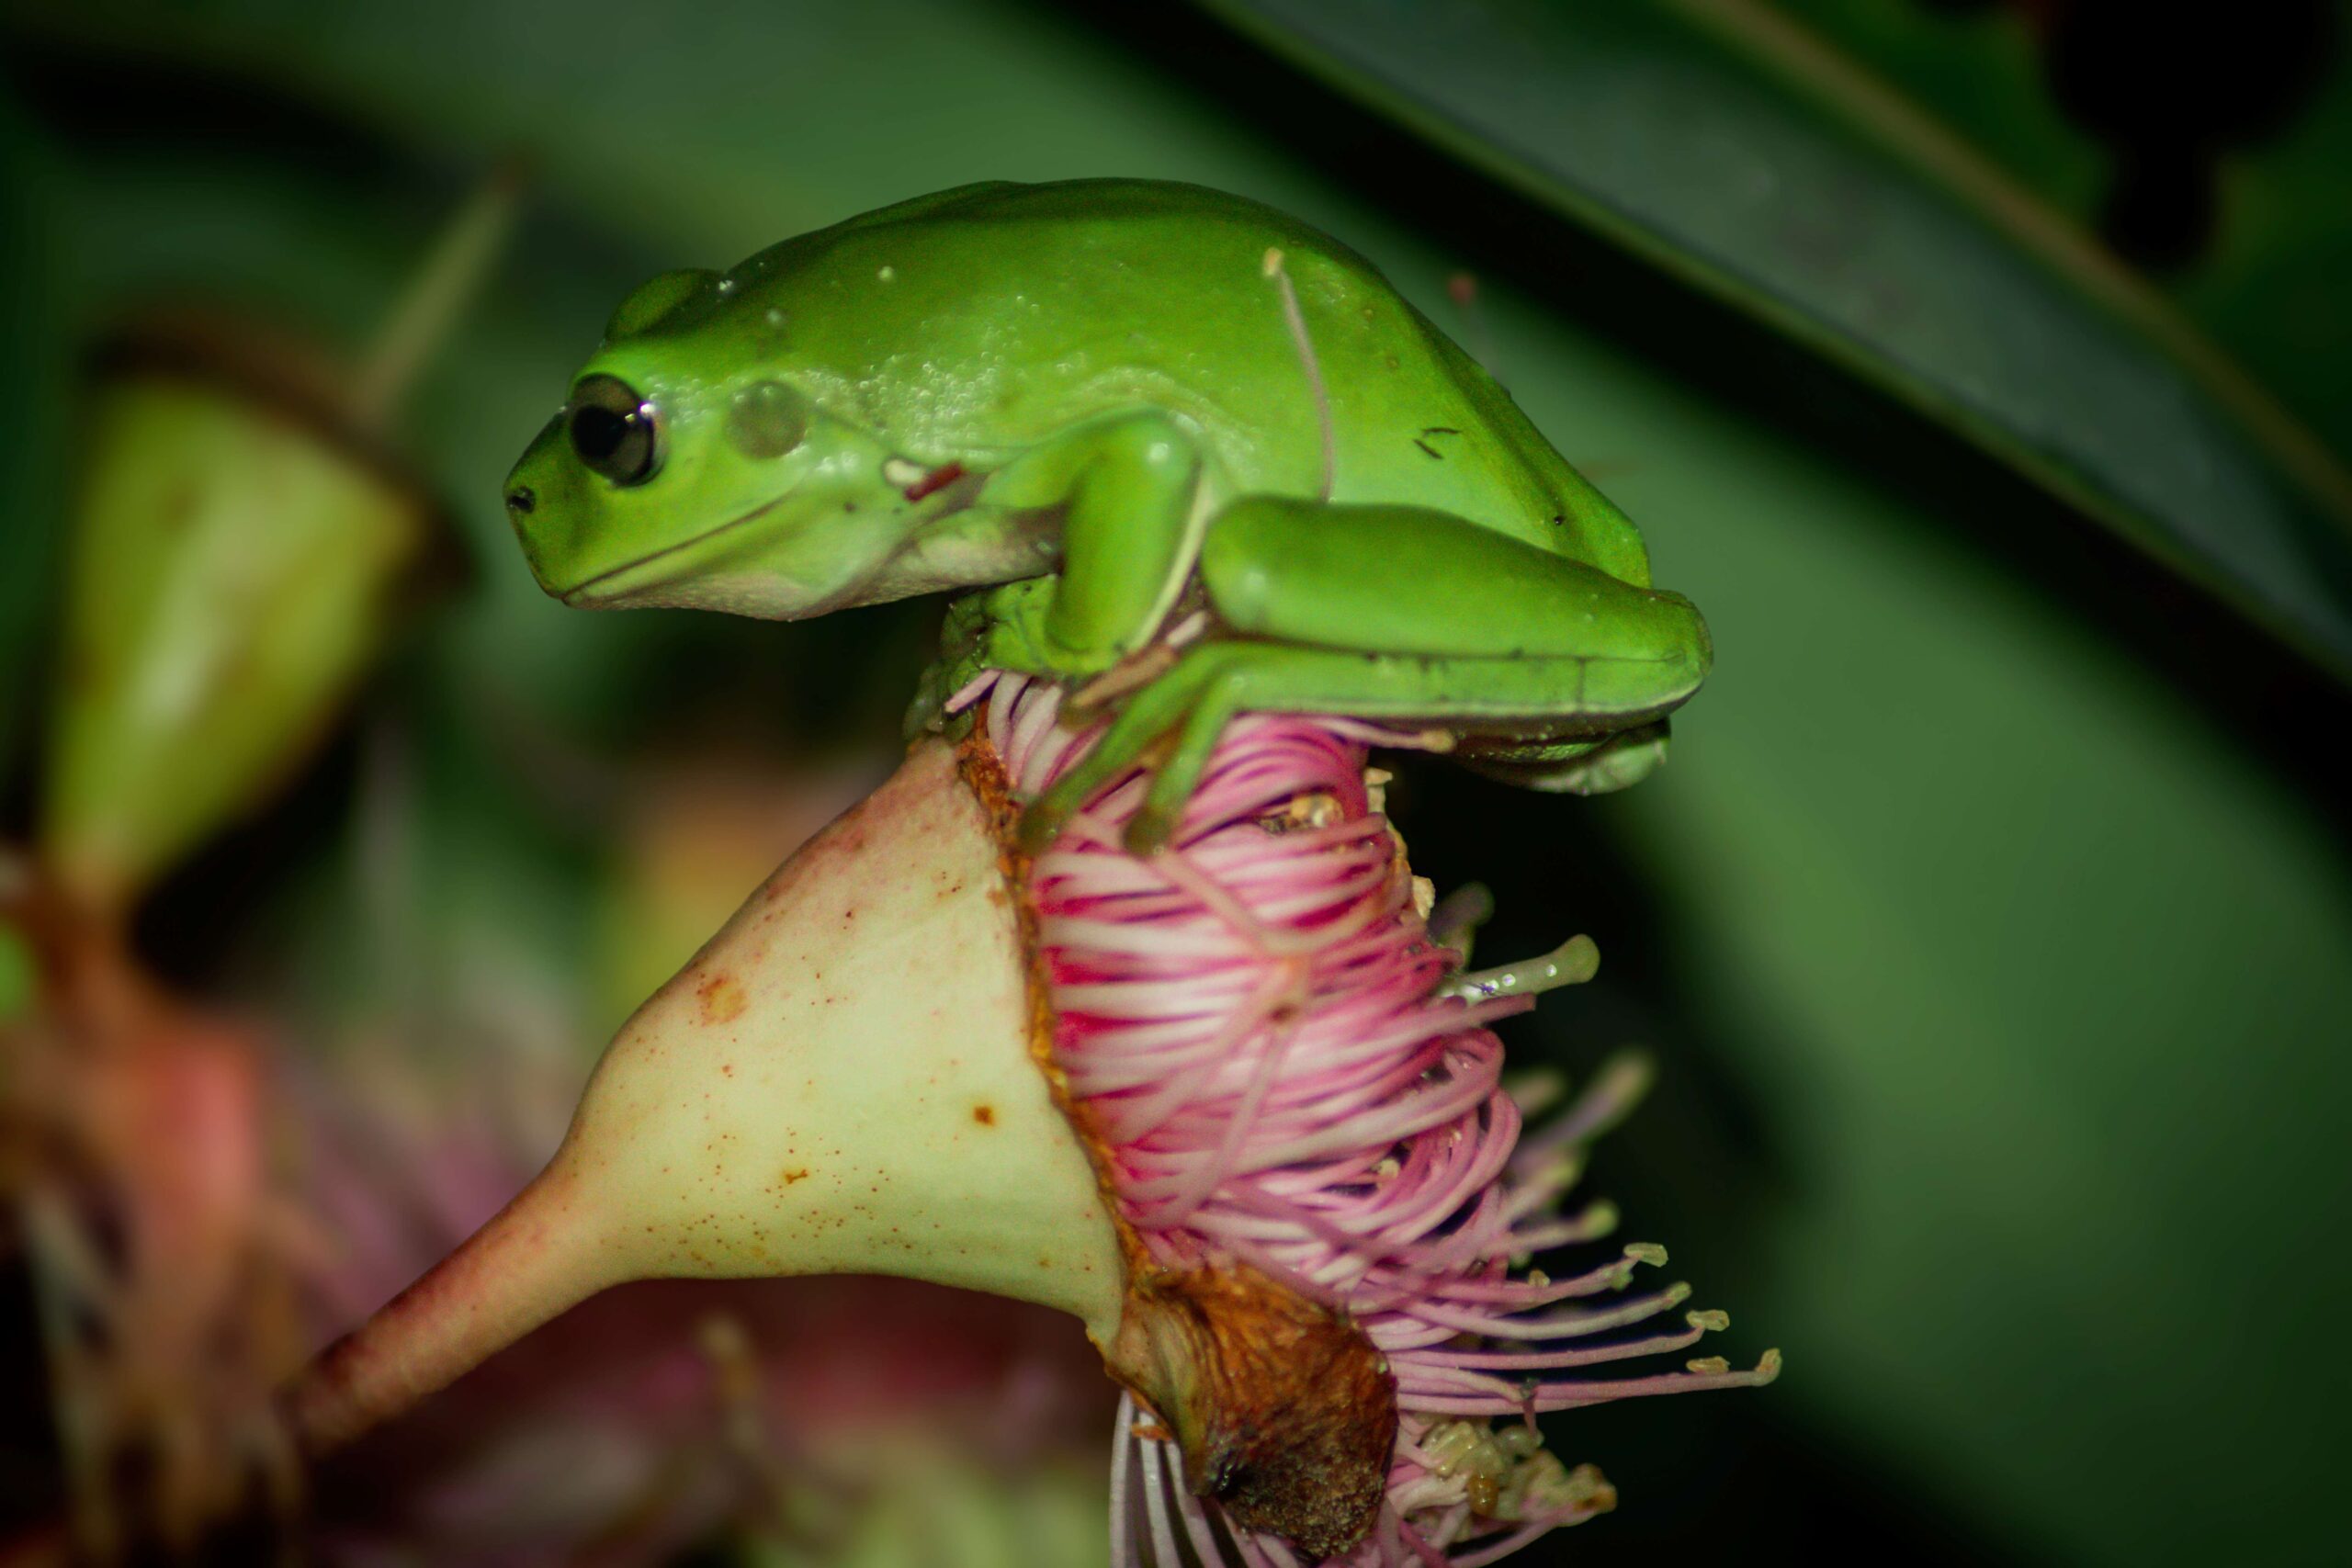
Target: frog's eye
[613, 432]
[768, 419]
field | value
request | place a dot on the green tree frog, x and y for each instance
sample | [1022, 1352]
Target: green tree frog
[1104, 411]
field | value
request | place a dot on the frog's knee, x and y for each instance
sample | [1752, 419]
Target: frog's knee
[1155, 442]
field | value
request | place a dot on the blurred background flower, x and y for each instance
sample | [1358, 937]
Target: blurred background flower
[1978, 366]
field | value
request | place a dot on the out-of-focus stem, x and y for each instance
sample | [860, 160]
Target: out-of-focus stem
[422, 319]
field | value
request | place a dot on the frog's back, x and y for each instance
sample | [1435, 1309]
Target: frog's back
[986, 319]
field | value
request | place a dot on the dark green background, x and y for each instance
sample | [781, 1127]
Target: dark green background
[1991, 924]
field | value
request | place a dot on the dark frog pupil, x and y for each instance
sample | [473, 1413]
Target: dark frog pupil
[613, 432]
[596, 433]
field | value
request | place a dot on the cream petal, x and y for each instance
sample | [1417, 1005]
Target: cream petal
[847, 1078]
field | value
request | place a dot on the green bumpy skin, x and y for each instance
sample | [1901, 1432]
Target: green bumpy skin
[1113, 407]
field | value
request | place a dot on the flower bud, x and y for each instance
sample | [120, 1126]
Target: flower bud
[1220, 1104]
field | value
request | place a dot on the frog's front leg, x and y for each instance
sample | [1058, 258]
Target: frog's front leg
[1007, 628]
[1128, 490]
[1003, 627]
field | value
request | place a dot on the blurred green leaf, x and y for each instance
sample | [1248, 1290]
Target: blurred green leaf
[2267, 284]
[2042, 991]
[1722, 141]
[1979, 70]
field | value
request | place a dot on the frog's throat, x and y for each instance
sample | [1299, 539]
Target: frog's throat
[586, 594]
[886, 547]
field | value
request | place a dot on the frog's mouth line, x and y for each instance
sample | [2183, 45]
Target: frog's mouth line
[574, 594]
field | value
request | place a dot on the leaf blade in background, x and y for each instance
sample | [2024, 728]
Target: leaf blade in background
[2042, 93]
[1720, 141]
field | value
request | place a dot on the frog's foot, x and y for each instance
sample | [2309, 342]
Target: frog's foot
[1000, 629]
[1571, 767]
[1175, 697]
[1190, 706]
[1011, 634]
[960, 661]
[1010, 630]
[1005, 628]
[927, 713]
[959, 634]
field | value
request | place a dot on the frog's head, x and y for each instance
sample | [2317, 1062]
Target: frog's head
[688, 469]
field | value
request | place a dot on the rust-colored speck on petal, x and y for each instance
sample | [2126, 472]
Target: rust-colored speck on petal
[722, 998]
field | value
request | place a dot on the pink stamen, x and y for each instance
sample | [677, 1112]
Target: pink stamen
[1252, 1016]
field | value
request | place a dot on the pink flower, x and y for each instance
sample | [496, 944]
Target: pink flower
[1280, 1068]
[1231, 1106]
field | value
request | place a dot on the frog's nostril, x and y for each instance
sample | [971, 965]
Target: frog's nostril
[520, 500]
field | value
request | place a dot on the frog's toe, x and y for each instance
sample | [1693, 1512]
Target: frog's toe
[1040, 825]
[959, 642]
[1149, 830]
[1043, 821]
[1005, 646]
[948, 678]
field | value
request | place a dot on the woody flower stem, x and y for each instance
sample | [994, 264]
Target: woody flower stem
[1229, 1105]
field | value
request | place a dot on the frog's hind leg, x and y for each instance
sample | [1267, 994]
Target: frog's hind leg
[1591, 663]
[1409, 580]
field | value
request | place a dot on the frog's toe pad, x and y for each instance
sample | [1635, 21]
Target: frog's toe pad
[1149, 830]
